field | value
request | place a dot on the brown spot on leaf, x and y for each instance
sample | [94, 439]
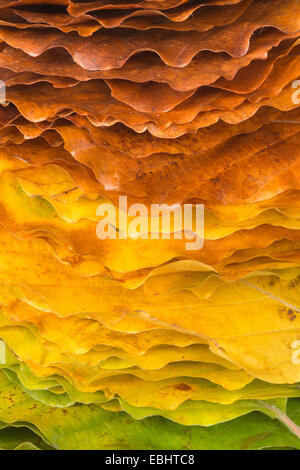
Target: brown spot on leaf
[183, 387]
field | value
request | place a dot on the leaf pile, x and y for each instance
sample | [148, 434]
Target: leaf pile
[140, 343]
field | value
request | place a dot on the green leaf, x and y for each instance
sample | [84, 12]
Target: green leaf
[22, 438]
[90, 427]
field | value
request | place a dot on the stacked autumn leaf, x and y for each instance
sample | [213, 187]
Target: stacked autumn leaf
[139, 343]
